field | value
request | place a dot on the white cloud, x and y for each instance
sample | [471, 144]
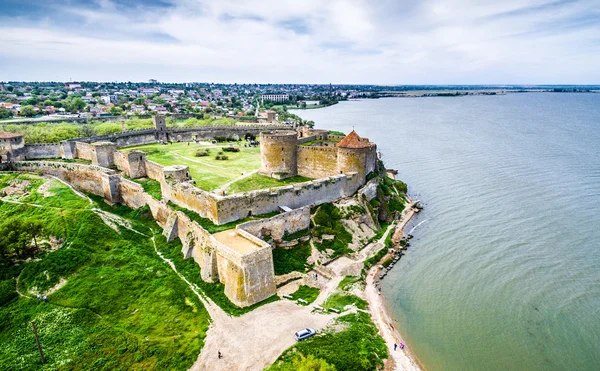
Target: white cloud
[348, 41]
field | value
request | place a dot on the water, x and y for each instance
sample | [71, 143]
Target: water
[504, 270]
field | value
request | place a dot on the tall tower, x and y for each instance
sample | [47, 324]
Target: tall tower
[356, 154]
[279, 154]
[160, 128]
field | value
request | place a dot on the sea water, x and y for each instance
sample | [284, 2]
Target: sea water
[504, 269]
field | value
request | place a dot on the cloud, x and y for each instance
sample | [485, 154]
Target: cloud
[339, 41]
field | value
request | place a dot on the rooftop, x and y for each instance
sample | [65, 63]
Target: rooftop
[236, 241]
[353, 140]
[6, 135]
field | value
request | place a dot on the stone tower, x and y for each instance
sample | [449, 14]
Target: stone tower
[279, 154]
[160, 127]
[356, 154]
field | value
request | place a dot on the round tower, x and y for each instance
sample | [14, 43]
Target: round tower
[279, 154]
[356, 155]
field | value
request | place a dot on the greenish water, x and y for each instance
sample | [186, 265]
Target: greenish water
[504, 270]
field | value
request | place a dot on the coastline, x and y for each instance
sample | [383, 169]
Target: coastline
[400, 359]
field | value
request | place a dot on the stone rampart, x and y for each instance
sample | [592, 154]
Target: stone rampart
[318, 161]
[83, 150]
[239, 206]
[41, 151]
[279, 225]
[248, 277]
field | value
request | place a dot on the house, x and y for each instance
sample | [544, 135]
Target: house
[73, 86]
[11, 146]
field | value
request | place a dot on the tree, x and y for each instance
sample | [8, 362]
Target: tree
[116, 111]
[32, 101]
[27, 111]
[5, 113]
[75, 104]
[48, 102]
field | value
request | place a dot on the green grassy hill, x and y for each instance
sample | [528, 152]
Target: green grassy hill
[121, 307]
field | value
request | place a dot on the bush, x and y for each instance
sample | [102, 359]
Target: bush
[7, 291]
[222, 157]
[231, 149]
[202, 153]
[290, 260]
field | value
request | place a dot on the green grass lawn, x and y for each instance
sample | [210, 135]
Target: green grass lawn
[257, 181]
[210, 173]
[121, 308]
[290, 260]
[306, 293]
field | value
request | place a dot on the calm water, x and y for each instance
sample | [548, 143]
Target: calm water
[504, 270]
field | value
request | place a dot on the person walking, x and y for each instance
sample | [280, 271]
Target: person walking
[219, 355]
[395, 346]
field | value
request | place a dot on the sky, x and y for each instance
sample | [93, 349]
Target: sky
[385, 42]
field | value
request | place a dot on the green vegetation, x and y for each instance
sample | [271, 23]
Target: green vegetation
[358, 347]
[122, 307]
[215, 291]
[290, 260]
[335, 132]
[296, 235]
[48, 132]
[208, 172]
[212, 227]
[375, 258]
[151, 186]
[327, 221]
[340, 301]
[257, 181]
[307, 293]
[194, 122]
[343, 297]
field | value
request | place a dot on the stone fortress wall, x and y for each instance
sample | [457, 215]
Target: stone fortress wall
[247, 274]
[248, 277]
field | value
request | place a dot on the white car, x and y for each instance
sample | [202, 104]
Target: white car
[305, 334]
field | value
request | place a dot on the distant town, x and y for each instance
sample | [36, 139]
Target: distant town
[56, 100]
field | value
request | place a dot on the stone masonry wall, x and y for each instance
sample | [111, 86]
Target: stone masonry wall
[317, 162]
[41, 151]
[279, 225]
[316, 192]
[83, 151]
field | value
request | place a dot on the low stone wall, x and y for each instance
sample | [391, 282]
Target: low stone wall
[279, 225]
[88, 178]
[41, 151]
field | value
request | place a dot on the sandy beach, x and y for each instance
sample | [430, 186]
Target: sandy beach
[399, 359]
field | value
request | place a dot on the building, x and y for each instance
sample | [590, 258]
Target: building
[309, 103]
[73, 86]
[275, 97]
[315, 154]
[11, 146]
[153, 81]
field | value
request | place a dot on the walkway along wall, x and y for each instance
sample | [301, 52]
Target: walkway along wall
[248, 277]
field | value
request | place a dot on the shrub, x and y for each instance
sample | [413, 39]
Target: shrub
[231, 149]
[202, 153]
[221, 157]
[290, 260]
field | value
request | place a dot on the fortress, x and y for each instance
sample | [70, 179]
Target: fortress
[237, 257]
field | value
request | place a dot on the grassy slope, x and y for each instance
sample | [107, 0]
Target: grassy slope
[257, 181]
[357, 347]
[122, 307]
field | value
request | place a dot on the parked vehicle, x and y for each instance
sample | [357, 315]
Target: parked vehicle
[305, 334]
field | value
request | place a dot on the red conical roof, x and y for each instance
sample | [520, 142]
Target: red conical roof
[352, 140]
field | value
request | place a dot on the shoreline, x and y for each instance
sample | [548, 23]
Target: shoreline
[400, 359]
